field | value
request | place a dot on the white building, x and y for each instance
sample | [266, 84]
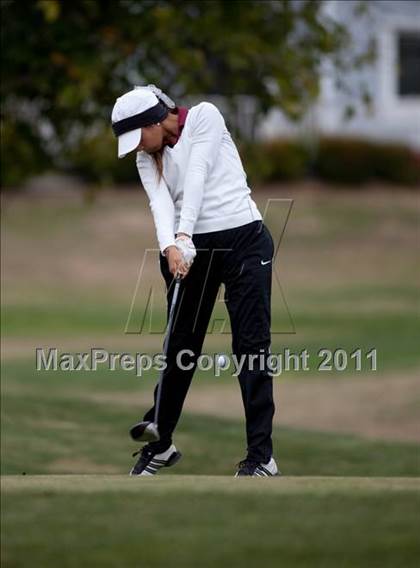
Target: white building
[393, 80]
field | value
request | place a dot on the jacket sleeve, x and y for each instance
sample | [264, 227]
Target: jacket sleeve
[206, 137]
[160, 201]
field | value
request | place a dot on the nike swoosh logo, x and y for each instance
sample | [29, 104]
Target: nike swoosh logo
[266, 262]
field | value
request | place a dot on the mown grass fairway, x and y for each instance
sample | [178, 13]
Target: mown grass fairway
[347, 443]
[180, 519]
[78, 423]
[205, 521]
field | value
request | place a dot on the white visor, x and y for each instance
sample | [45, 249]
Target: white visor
[128, 142]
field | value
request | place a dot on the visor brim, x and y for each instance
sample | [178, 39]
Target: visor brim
[128, 142]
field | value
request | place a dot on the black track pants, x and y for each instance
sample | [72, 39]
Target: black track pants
[241, 259]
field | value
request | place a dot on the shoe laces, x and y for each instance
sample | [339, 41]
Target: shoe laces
[248, 466]
[145, 452]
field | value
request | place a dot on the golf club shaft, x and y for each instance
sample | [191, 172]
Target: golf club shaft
[165, 345]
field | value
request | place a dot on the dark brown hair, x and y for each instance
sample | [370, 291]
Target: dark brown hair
[157, 156]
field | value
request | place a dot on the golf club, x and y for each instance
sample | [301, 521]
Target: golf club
[148, 431]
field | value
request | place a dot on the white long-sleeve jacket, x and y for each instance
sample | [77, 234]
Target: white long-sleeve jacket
[204, 187]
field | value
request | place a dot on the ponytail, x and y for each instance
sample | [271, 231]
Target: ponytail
[171, 106]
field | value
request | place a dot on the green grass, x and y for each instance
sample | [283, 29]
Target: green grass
[183, 517]
[68, 320]
[359, 331]
[347, 269]
[53, 420]
[88, 436]
[200, 521]
[314, 331]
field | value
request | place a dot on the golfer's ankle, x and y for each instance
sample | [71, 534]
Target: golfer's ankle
[160, 446]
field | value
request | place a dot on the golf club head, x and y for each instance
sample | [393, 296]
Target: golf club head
[145, 432]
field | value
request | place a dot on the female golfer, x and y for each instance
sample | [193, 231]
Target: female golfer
[209, 231]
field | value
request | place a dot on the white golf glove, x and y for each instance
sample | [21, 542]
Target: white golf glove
[187, 248]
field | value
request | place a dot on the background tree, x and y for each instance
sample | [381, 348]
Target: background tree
[64, 63]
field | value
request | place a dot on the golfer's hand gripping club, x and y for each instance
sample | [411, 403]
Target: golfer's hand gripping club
[181, 255]
[185, 245]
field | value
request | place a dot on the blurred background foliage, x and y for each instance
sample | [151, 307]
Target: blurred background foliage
[333, 160]
[347, 161]
[64, 64]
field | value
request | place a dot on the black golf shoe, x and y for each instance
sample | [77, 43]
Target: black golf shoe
[149, 462]
[257, 469]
